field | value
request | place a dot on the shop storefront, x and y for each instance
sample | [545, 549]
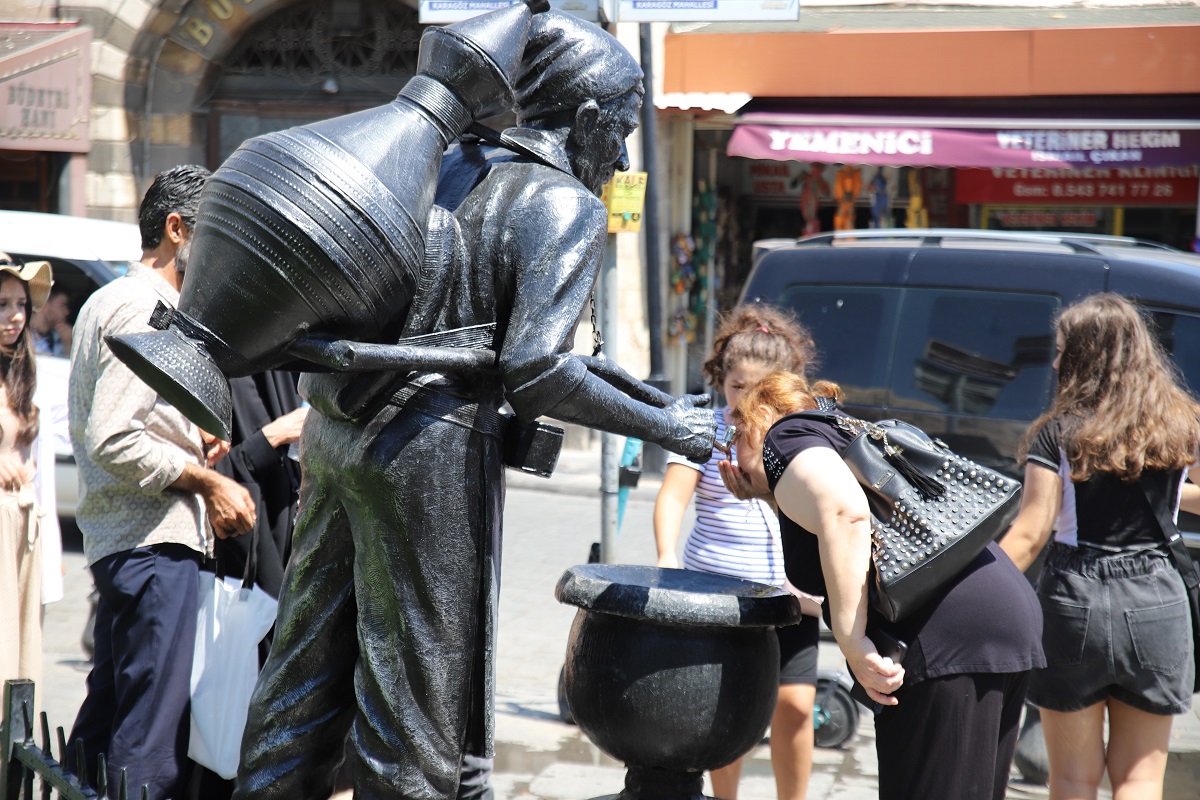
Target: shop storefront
[981, 116]
[783, 166]
[1123, 176]
[761, 175]
[45, 95]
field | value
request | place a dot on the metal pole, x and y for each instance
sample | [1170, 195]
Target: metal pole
[710, 299]
[610, 443]
[654, 458]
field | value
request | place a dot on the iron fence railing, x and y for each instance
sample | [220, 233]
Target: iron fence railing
[23, 760]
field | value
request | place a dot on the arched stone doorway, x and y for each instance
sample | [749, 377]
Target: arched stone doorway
[226, 70]
[311, 61]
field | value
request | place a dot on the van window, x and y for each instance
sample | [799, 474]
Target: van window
[974, 352]
[852, 327]
[1180, 337]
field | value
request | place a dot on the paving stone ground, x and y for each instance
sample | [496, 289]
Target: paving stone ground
[549, 526]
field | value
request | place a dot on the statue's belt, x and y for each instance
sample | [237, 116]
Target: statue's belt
[442, 405]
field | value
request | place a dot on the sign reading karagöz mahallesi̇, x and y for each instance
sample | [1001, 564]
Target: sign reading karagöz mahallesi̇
[437, 12]
[708, 10]
[624, 196]
[441, 11]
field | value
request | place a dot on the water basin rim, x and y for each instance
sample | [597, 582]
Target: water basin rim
[676, 597]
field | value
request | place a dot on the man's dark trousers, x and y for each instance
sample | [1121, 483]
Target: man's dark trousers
[137, 710]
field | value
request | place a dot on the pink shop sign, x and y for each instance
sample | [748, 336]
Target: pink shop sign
[45, 88]
[1069, 148]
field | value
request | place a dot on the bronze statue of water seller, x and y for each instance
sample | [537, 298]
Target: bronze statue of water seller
[387, 614]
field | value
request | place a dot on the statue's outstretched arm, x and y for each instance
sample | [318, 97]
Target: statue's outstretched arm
[554, 241]
[612, 373]
[682, 426]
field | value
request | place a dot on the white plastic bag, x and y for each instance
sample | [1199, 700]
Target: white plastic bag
[231, 623]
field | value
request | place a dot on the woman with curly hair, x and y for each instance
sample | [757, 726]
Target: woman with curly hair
[740, 538]
[948, 715]
[1121, 430]
[23, 290]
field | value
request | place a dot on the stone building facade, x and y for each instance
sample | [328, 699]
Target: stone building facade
[186, 81]
[178, 81]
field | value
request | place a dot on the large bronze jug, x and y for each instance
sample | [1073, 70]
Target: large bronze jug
[319, 229]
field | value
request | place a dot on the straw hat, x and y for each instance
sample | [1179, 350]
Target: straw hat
[36, 273]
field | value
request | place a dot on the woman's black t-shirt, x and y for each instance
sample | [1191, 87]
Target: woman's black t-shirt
[1104, 509]
[987, 620]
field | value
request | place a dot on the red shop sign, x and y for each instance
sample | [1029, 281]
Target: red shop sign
[1135, 186]
[1034, 218]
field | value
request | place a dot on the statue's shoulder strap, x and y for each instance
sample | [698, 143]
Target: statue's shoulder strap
[498, 139]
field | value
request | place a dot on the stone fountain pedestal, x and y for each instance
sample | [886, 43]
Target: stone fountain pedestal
[673, 672]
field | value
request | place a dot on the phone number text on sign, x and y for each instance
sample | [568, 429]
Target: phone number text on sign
[1140, 190]
[1100, 187]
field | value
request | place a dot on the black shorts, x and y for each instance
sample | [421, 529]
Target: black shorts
[798, 651]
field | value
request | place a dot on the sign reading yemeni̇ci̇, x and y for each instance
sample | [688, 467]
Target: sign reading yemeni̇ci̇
[763, 137]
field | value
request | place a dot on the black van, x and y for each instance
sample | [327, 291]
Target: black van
[951, 329]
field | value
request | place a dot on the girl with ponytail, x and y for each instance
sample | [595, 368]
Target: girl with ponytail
[740, 538]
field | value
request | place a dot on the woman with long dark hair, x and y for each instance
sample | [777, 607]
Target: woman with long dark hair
[23, 289]
[1101, 466]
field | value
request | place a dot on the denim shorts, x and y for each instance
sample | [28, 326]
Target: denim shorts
[1116, 625]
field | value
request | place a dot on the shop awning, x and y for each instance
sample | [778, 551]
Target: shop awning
[968, 141]
[45, 86]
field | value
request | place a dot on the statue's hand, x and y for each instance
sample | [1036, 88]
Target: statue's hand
[691, 429]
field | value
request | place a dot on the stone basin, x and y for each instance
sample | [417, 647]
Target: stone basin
[673, 672]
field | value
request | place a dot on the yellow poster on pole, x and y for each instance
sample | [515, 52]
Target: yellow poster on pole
[624, 196]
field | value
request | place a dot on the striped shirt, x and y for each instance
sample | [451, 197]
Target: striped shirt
[739, 538]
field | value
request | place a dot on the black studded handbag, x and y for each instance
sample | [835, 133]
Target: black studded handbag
[932, 511]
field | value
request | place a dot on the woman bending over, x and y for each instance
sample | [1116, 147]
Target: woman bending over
[949, 718]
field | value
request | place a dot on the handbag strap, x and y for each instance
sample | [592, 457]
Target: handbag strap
[825, 403]
[1156, 495]
[819, 414]
[250, 571]
[849, 424]
[844, 421]
[928, 486]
